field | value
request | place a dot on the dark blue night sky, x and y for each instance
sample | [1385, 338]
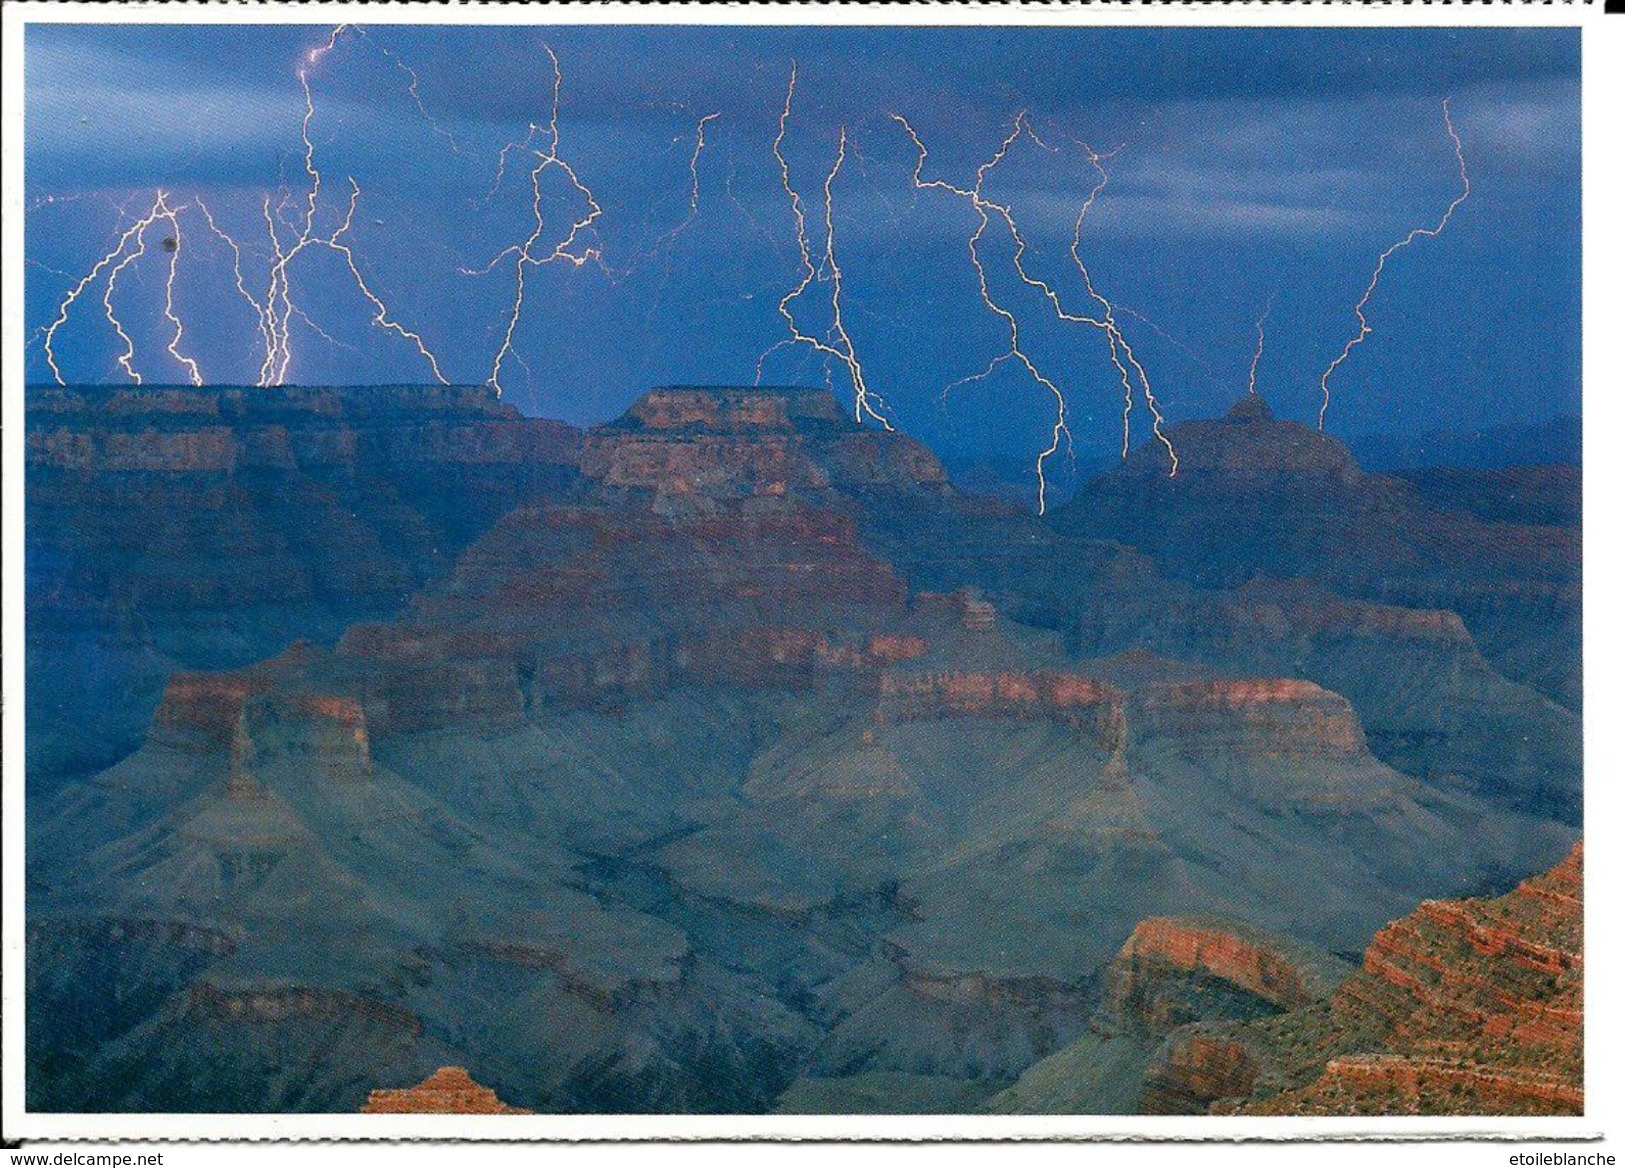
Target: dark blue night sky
[1254, 163]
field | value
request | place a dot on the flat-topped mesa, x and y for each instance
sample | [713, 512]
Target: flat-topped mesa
[1249, 440]
[222, 429]
[1307, 611]
[1287, 712]
[449, 1091]
[695, 447]
[1279, 742]
[279, 710]
[200, 712]
[916, 695]
[735, 409]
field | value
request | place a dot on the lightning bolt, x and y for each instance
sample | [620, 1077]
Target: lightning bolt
[866, 403]
[125, 255]
[169, 299]
[862, 393]
[524, 255]
[1382, 261]
[276, 287]
[694, 164]
[314, 57]
[280, 308]
[1122, 353]
[985, 208]
[261, 312]
[137, 229]
[132, 247]
[381, 316]
[126, 359]
[1258, 353]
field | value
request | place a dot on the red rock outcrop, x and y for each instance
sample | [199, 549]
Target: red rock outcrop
[449, 1091]
[1268, 967]
[1417, 1086]
[693, 447]
[1463, 1007]
[201, 711]
[289, 706]
[1194, 1068]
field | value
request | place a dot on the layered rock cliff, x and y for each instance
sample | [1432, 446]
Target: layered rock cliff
[1297, 505]
[1141, 1054]
[205, 528]
[1462, 1008]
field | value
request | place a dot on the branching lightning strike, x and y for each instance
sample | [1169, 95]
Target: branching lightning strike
[866, 404]
[120, 257]
[1119, 346]
[174, 248]
[1382, 260]
[1122, 352]
[982, 206]
[278, 303]
[524, 254]
[78, 290]
[275, 312]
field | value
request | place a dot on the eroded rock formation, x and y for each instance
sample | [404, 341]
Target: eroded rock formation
[449, 1091]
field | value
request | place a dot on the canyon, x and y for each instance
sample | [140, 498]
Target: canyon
[391, 750]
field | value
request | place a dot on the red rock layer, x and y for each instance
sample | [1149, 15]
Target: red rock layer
[1253, 962]
[1416, 1086]
[1463, 1007]
[449, 1091]
[281, 1003]
[690, 446]
[1195, 1068]
[589, 604]
[928, 695]
[280, 706]
[1286, 714]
